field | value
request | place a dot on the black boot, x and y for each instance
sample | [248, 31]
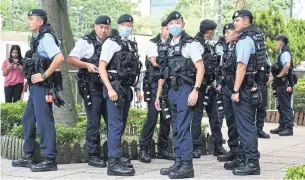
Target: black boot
[230, 156]
[219, 150]
[286, 132]
[96, 161]
[197, 152]
[26, 161]
[238, 162]
[117, 168]
[126, 162]
[46, 165]
[174, 167]
[251, 167]
[144, 156]
[276, 130]
[262, 134]
[186, 171]
[164, 154]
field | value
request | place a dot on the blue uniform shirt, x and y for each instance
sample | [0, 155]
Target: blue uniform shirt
[285, 58]
[244, 48]
[47, 47]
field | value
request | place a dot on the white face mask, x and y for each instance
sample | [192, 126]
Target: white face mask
[125, 31]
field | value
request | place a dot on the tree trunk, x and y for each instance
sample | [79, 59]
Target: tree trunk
[240, 4]
[58, 17]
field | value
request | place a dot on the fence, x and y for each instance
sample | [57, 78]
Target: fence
[11, 148]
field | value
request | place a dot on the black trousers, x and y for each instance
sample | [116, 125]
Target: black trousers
[261, 111]
[13, 93]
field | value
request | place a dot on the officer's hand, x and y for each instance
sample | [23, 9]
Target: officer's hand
[192, 100]
[157, 104]
[270, 80]
[36, 78]
[235, 97]
[92, 68]
[153, 61]
[113, 96]
[219, 88]
[139, 96]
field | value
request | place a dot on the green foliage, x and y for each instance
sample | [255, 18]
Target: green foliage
[295, 172]
[11, 115]
[299, 96]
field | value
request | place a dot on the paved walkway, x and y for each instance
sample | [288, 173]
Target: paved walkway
[277, 154]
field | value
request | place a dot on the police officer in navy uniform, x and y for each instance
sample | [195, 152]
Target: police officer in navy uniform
[39, 68]
[228, 69]
[207, 91]
[156, 53]
[251, 58]
[86, 56]
[283, 79]
[119, 69]
[183, 60]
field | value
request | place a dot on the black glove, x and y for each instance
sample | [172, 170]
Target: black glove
[57, 100]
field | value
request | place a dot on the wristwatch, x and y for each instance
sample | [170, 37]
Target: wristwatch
[235, 92]
[197, 89]
[43, 76]
[137, 89]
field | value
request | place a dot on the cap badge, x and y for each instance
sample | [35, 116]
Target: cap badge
[129, 19]
[177, 15]
[236, 14]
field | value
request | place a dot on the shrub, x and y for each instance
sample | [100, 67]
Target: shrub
[295, 172]
[299, 96]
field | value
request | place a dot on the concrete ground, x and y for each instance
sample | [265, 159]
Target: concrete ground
[277, 153]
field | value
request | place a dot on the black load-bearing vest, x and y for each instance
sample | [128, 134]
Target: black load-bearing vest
[229, 60]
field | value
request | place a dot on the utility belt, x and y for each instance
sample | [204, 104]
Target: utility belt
[278, 81]
[175, 82]
[229, 81]
[128, 81]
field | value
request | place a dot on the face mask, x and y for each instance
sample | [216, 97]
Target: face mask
[125, 31]
[175, 29]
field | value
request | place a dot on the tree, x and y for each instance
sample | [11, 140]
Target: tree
[59, 19]
[240, 4]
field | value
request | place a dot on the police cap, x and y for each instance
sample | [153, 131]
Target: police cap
[163, 24]
[207, 25]
[103, 20]
[125, 18]
[242, 13]
[173, 16]
[228, 27]
[37, 12]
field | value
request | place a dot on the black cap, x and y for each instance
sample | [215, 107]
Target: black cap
[164, 23]
[207, 24]
[173, 16]
[125, 18]
[37, 12]
[282, 38]
[241, 13]
[103, 20]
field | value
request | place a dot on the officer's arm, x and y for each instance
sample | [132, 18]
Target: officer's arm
[200, 72]
[160, 87]
[76, 54]
[240, 74]
[57, 60]
[104, 75]
[195, 50]
[74, 61]
[286, 61]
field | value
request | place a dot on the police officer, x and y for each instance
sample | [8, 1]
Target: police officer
[86, 55]
[207, 93]
[119, 68]
[156, 52]
[283, 79]
[45, 53]
[183, 59]
[251, 57]
[228, 69]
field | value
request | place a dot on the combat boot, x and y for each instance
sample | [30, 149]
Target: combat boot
[276, 130]
[286, 132]
[197, 152]
[174, 167]
[96, 161]
[126, 162]
[46, 165]
[26, 161]
[262, 134]
[219, 150]
[144, 156]
[164, 154]
[117, 168]
[230, 156]
[251, 167]
[185, 171]
[238, 162]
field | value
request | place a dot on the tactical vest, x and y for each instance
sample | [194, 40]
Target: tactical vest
[34, 63]
[229, 61]
[257, 61]
[125, 63]
[179, 66]
[95, 58]
[278, 61]
[162, 48]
